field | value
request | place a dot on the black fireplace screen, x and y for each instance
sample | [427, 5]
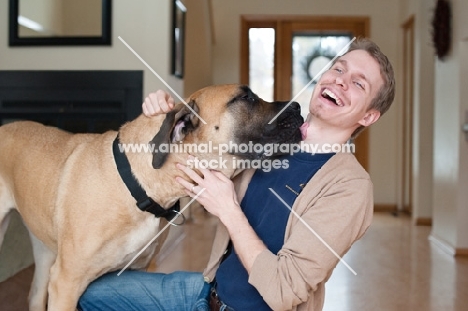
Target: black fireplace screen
[76, 101]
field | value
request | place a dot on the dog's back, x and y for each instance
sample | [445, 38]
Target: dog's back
[28, 141]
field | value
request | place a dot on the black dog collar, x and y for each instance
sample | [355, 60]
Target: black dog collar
[144, 202]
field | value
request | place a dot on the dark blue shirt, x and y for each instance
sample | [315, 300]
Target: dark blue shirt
[268, 216]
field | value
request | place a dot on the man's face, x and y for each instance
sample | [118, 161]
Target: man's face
[343, 94]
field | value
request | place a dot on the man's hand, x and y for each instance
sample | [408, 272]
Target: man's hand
[157, 103]
[219, 198]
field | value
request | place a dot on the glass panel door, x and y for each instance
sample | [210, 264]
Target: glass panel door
[262, 61]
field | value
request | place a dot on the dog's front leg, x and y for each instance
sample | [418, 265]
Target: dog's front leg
[44, 259]
[67, 283]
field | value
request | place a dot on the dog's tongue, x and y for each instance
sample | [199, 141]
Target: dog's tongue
[303, 130]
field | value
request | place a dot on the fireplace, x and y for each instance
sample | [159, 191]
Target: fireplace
[76, 101]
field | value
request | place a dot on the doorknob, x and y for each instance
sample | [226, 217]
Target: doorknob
[465, 130]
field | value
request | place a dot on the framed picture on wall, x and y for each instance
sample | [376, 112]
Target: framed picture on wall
[178, 38]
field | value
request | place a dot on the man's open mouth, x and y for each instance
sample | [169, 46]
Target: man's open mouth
[329, 95]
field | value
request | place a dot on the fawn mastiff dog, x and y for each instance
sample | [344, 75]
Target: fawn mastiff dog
[72, 195]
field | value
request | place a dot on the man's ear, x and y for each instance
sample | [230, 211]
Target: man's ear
[370, 117]
[177, 124]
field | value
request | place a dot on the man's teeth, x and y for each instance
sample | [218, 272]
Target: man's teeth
[328, 93]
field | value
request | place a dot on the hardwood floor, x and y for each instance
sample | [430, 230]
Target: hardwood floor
[397, 269]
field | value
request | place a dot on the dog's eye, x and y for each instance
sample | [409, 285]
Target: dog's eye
[249, 98]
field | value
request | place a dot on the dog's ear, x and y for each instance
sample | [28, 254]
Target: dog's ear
[177, 124]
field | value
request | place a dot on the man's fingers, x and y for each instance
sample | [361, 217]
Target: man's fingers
[170, 102]
[158, 102]
[148, 108]
[164, 101]
[220, 175]
[145, 110]
[190, 173]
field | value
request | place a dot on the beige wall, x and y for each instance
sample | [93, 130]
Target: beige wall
[423, 106]
[462, 206]
[450, 223]
[440, 179]
[198, 59]
[385, 31]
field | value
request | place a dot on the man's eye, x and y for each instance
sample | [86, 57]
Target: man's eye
[338, 70]
[359, 85]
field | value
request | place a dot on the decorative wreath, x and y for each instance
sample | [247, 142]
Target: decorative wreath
[442, 28]
[308, 63]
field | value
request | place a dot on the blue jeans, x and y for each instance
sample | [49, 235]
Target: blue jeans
[140, 291]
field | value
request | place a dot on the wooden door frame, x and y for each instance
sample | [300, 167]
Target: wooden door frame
[407, 114]
[284, 25]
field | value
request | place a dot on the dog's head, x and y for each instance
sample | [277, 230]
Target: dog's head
[229, 115]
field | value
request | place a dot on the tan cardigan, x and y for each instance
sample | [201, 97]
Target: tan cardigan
[337, 204]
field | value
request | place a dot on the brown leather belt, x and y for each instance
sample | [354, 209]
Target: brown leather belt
[215, 302]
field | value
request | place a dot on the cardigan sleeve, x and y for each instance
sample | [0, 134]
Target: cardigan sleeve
[339, 214]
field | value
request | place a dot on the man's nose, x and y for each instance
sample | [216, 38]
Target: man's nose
[340, 80]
